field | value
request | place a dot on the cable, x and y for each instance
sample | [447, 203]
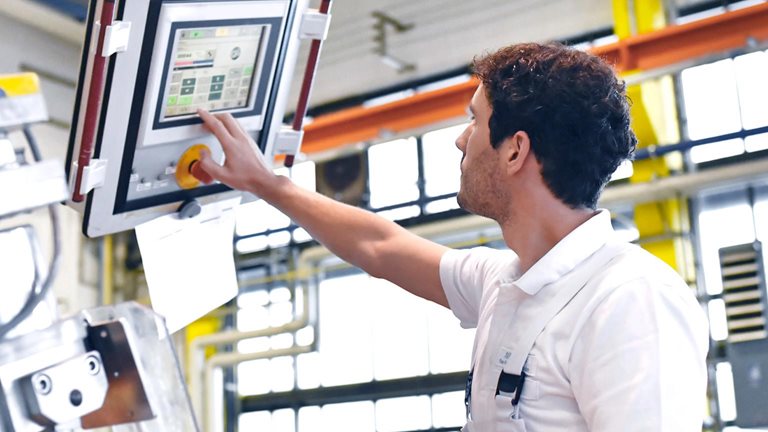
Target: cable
[36, 296]
[33, 147]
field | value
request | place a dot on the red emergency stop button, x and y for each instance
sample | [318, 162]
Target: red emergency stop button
[189, 175]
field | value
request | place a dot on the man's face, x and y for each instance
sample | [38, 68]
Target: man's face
[479, 188]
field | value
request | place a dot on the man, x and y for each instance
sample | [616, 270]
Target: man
[600, 336]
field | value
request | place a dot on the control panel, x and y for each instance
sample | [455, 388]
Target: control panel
[234, 56]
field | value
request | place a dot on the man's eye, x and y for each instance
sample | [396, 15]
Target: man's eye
[470, 114]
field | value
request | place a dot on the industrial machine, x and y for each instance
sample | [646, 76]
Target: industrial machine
[152, 64]
[147, 67]
[107, 366]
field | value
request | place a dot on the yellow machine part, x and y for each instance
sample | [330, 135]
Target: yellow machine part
[20, 84]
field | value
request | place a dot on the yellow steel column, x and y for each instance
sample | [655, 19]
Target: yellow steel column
[661, 224]
[108, 271]
[206, 325]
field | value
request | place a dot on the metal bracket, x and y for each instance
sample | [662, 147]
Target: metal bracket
[314, 25]
[94, 175]
[288, 141]
[116, 38]
[61, 394]
[31, 186]
[25, 109]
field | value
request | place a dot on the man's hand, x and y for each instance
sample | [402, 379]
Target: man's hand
[245, 167]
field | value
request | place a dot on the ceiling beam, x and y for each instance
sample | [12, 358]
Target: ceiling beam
[360, 124]
[728, 31]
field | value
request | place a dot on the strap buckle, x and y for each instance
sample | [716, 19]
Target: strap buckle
[511, 386]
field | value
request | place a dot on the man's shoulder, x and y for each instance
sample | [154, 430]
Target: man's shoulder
[487, 264]
[482, 254]
[634, 271]
[634, 262]
[637, 284]
[488, 251]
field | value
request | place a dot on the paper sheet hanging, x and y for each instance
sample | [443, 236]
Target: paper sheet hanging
[189, 263]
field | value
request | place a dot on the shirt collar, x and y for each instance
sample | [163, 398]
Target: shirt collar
[569, 252]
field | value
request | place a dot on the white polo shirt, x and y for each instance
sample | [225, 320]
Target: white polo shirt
[626, 354]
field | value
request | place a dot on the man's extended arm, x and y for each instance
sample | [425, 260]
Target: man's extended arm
[376, 245]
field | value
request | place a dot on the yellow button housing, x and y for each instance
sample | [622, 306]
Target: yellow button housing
[184, 176]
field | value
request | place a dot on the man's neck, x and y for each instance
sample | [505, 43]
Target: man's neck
[532, 231]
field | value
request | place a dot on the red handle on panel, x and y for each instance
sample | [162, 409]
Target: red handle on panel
[306, 85]
[93, 105]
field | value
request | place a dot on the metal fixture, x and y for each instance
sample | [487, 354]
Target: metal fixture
[383, 22]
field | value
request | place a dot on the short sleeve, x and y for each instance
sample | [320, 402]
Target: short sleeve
[466, 274]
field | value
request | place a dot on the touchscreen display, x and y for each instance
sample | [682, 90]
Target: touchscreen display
[211, 68]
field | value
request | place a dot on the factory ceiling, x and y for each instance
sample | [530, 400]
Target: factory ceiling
[384, 43]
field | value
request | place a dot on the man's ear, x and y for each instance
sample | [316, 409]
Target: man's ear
[515, 150]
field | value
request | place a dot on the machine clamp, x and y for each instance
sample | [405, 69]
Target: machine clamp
[288, 141]
[116, 38]
[93, 175]
[314, 25]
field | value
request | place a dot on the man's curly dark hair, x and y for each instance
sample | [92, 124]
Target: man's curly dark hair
[571, 105]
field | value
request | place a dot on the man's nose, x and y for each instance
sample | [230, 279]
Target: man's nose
[461, 141]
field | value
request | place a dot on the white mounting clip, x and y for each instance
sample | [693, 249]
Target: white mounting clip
[116, 38]
[93, 175]
[314, 25]
[288, 141]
